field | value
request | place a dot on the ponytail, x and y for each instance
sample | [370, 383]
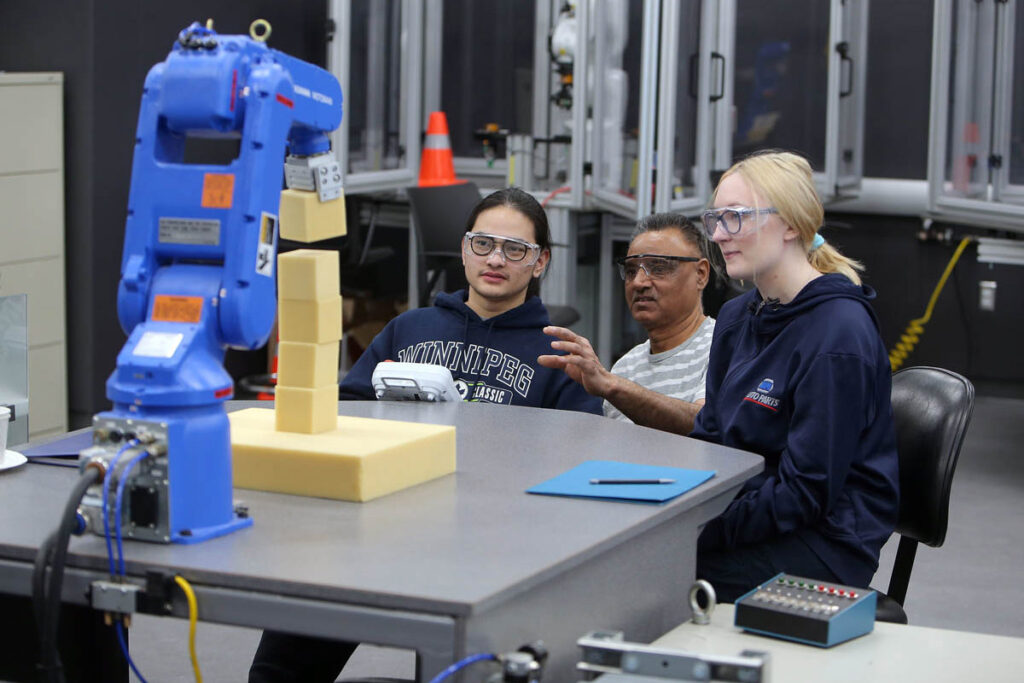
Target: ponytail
[827, 259]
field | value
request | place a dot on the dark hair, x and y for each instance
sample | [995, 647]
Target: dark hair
[696, 236]
[526, 204]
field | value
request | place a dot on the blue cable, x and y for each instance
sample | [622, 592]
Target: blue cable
[121, 481]
[462, 664]
[124, 649]
[111, 471]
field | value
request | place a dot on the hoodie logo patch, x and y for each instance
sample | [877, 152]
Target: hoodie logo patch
[760, 395]
[479, 392]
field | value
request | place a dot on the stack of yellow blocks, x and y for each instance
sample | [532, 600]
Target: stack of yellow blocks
[303, 447]
[309, 329]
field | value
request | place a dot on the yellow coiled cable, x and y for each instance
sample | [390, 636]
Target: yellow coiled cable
[908, 340]
[193, 617]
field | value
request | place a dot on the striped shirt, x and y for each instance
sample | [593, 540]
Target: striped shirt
[678, 372]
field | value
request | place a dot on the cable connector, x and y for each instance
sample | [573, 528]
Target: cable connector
[115, 597]
[525, 665]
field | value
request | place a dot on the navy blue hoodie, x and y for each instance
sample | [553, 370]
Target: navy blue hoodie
[806, 385]
[492, 361]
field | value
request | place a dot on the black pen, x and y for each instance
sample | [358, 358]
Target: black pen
[632, 481]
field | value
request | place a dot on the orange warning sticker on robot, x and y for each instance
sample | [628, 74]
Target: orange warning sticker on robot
[218, 190]
[177, 309]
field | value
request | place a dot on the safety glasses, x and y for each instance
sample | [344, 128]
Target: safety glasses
[510, 248]
[731, 218]
[655, 266]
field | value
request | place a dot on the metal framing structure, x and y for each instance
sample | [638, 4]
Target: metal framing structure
[671, 43]
[659, 125]
[841, 176]
[977, 124]
[605, 198]
[408, 94]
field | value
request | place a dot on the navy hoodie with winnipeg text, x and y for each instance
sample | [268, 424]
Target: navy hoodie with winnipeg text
[806, 385]
[492, 360]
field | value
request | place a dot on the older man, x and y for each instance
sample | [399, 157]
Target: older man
[659, 383]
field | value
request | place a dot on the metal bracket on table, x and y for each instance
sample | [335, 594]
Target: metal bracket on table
[605, 652]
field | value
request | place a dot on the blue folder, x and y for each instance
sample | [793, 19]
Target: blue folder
[60, 451]
[576, 482]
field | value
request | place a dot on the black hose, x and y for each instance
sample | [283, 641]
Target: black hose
[43, 557]
[51, 666]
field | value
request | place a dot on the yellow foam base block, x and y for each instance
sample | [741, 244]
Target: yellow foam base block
[360, 460]
[304, 218]
[308, 274]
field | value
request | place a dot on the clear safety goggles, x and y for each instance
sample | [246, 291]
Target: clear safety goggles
[731, 218]
[655, 266]
[510, 248]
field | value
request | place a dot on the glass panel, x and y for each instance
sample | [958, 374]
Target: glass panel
[14, 363]
[487, 67]
[1017, 125]
[373, 104]
[851, 92]
[617, 64]
[781, 77]
[970, 100]
[684, 159]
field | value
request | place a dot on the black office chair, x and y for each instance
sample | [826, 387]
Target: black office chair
[439, 215]
[931, 408]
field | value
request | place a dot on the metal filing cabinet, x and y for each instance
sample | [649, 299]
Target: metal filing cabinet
[32, 233]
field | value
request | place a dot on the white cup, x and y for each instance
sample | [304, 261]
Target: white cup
[5, 416]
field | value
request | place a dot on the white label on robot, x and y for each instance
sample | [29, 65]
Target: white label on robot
[158, 344]
[265, 248]
[203, 231]
[313, 95]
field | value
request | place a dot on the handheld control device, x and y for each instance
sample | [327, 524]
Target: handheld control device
[394, 381]
[807, 610]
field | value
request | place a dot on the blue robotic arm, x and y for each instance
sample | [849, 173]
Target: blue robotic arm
[197, 274]
[227, 86]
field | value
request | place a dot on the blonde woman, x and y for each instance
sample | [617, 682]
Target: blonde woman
[798, 373]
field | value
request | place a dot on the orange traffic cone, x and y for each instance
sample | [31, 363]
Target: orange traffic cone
[436, 165]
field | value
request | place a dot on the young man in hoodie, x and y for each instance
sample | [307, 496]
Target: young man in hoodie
[490, 334]
[799, 374]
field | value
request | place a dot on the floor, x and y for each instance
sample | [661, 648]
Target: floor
[971, 583]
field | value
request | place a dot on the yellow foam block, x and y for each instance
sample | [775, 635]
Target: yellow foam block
[304, 218]
[313, 322]
[359, 460]
[308, 274]
[306, 411]
[301, 364]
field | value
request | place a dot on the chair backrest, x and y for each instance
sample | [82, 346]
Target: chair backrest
[440, 213]
[439, 216]
[931, 409]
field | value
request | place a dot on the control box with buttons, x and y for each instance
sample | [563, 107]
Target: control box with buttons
[807, 610]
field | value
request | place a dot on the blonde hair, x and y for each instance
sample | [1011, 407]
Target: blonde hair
[784, 180]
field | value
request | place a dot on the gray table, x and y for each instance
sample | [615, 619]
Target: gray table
[466, 563]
